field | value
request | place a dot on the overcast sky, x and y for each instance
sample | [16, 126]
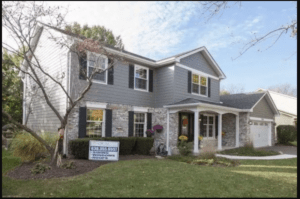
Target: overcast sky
[160, 29]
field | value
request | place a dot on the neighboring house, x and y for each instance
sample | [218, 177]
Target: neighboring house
[181, 93]
[287, 107]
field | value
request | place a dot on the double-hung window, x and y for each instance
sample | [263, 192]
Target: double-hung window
[208, 126]
[94, 122]
[199, 84]
[139, 124]
[141, 76]
[97, 62]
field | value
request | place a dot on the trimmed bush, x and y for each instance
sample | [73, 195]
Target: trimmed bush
[143, 145]
[286, 134]
[25, 146]
[184, 147]
[80, 147]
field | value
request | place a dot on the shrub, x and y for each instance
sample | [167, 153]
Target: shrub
[28, 148]
[185, 148]
[40, 168]
[143, 145]
[286, 134]
[68, 165]
[80, 147]
[216, 162]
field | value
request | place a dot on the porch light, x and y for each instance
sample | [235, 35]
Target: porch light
[250, 122]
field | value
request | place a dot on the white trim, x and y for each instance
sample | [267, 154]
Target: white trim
[199, 84]
[144, 126]
[96, 105]
[220, 131]
[237, 131]
[140, 109]
[196, 132]
[261, 119]
[196, 71]
[269, 134]
[147, 84]
[168, 132]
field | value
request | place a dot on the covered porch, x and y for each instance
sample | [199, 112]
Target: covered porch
[206, 119]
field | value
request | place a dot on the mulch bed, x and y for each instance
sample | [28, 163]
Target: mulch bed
[81, 166]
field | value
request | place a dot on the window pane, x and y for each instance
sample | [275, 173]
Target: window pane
[203, 133]
[196, 79]
[95, 114]
[211, 120]
[204, 119]
[141, 73]
[94, 129]
[100, 62]
[203, 90]
[139, 130]
[140, 83]
[139, 117]
[203, 81]
[195, 88]
[210, 131]
[98, 76]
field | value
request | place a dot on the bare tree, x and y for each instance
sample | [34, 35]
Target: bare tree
[214, 8]
[286, 88]
[232, 89]
[23, 22]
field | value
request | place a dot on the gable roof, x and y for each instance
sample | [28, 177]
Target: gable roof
[156, 64]
[283, 102]
[248, 100]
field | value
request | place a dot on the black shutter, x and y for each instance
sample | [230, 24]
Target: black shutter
[82, 122]
[217, 124]
[189, 82]
[149, 121]
[208, 87]
[131, 76]
[130, 123]
[180, 123]
[108, 122]
[201, 125]
[150, 80]
[82, 68]
[110, 79]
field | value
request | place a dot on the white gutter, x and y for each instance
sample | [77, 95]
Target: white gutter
[207, 105]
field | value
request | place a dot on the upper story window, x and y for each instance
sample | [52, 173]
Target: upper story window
[199, 84]
[96, 62]
[141, 76]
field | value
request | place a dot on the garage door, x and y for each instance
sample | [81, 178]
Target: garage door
[260, 134]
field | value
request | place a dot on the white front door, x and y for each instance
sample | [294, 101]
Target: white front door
[260, 134]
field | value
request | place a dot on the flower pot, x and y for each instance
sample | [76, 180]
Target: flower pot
[159, 130]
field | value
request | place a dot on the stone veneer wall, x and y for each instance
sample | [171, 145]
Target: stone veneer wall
[120, 124]
[228, 126]
[244, 128]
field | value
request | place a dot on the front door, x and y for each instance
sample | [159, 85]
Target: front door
[186, 125]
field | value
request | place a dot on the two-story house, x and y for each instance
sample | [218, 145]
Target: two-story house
[180, 92]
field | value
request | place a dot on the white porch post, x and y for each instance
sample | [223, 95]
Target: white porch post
[237, 130]
[168, 133]
[196, 132]
[220, 132]
[270, 134]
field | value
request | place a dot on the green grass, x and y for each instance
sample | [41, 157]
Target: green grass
[9, 161]
[248, 151]
[166, 178]
[294, 143]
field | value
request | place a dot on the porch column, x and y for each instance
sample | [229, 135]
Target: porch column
[168, 133]
[196, 132]
[237, 130]
[220, 132]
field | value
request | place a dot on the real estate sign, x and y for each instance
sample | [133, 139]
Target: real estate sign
[104, 150]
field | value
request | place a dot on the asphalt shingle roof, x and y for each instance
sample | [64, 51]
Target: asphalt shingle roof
[240, 101]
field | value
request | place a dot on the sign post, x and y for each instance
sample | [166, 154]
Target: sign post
[104, 150]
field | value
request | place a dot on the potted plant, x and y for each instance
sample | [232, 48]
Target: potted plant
[149, 132]
[200, 138]
[158, 128]
[223, 134]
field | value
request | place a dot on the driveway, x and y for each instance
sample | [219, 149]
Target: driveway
[291, 150]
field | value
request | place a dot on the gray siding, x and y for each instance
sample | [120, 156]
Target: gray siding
[53, 59]
[198, 62]
[181, 85]
[164, 86]
[119, 93]
[262, 110]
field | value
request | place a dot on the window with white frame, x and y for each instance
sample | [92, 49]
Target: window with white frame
[96, 61]
[141, 77]
[139, 124]
[208, 130]
[199, 84]
[94, 122]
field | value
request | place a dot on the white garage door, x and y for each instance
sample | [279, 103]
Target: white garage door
[260, 134]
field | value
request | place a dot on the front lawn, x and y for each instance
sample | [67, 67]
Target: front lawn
[165, 178]
[248, 151]
[294, 143]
